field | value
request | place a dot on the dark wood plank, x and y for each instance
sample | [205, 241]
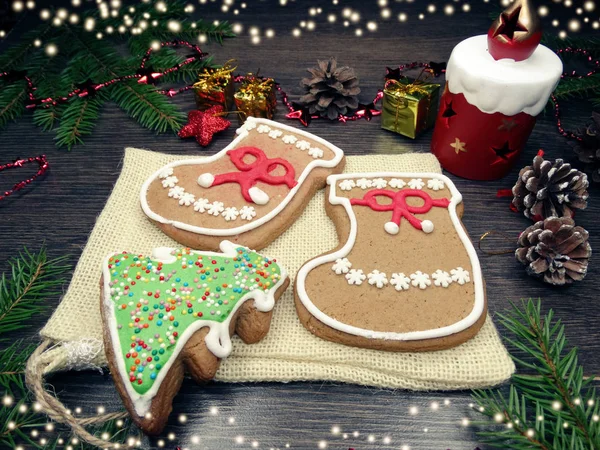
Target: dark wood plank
[61, 210]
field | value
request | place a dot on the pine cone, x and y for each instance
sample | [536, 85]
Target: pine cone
[547, 189]
[555, 250]
[331, 91]
[588, 149]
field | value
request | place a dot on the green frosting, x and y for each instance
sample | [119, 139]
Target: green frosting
[155, 302]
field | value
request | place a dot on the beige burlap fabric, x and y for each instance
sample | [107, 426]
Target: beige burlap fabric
[289, 352]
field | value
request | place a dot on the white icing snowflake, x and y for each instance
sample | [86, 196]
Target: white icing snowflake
[420, 279]
[249, 125]
[377, 278]
[170, 182]
[230, 213]
[400, 281]
[435, 184]
[186, 199]
[397, 183]
[247, 212]
[441, 278]
[346, 185]
[341, 265]
[460, 275]
[201, 205]
[379, 183]
[315, 152]
[166, 172]
[289, 139]
[364, 183]
[356, 276]
[216, 208]
[303, 145]
[176, 192]
[274, 134]
[416, 183]
[263, 129]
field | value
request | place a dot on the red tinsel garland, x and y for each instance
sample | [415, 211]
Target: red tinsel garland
[43, 166]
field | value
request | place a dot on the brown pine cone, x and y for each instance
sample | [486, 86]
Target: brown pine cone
[331, 91]
[547, 189]
[587, 148]
[555, 250]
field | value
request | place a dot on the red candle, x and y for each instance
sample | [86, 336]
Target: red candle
[496, 85]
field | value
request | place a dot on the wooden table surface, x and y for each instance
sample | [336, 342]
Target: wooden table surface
[61, 211]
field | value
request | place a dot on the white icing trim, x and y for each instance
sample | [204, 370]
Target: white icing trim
[258, 196]
[343, 252]
[217, 340]
[504, 85]
[242, 133]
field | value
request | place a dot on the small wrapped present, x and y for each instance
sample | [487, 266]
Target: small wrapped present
[256, 97]
[409, 106]
[215, 87]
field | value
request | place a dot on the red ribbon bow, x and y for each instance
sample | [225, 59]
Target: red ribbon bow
[400, 208]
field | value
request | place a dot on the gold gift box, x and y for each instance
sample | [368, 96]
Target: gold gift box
[215, 87]
[256, 97]
[409, 106]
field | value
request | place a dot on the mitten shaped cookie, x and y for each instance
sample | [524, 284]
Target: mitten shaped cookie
[250, 192]
[175, 310]
[405, 276]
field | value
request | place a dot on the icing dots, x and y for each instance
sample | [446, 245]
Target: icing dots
[170, 182]
[315, 152]
[263, 129]
[346, 185]
[397, 183]
[215, 208]
[186, 199]
[274, 134]
[155, 301]
[399, 280]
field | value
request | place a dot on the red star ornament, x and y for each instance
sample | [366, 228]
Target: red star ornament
[204, 124]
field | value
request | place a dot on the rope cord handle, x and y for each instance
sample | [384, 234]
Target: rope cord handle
[53, 408]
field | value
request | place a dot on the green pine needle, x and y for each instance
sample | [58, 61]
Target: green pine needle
[149, 108]
[553, 409]
[78, 119]
[33, 278]
[12, 102]
[12, 366]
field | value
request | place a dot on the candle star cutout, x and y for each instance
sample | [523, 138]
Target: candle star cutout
[503, 152]
[507, 125]
[459, 146]
[509, 24]
[448, 113]
[204, 124]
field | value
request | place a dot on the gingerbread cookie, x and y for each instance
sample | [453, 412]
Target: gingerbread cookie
[175, 311]
[250, 192]
[405, 276]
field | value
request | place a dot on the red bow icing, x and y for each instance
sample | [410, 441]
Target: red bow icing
[400, 208]
[258, 170]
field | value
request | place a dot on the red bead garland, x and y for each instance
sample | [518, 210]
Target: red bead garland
[43, 166]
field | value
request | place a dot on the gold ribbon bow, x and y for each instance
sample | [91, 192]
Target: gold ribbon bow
[215, 79]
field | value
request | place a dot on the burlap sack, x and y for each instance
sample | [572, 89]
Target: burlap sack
[289, 352]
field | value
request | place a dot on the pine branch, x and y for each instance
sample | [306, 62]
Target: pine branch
[563, 403]
[12, 366]
[578, 87]
[151, 109]
[14, 424]
[33, 279]
[78, 120]
[48, 117]
[12, 102]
